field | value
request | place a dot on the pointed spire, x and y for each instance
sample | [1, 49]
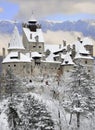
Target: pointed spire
[15, 42]
[32, 19]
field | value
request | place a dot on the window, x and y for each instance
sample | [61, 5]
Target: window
[14, 65]
[88, 70]
[66, 62]
[23, 66]
[39, 46]
[30, 81]
[8, 65]
[14, 57]
[34, 46]
[86, 62]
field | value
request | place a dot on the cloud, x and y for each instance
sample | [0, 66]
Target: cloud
[58, 36]
[49, 7]
[1, 10]
[4, 40]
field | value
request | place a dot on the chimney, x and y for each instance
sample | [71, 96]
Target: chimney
[3, 49]
[30, 36]
[64, 43]
[30, 54]
[79, 39]
[68, 48]
[59, 46]
[73, 47]
[18, 55]
[37, 38]
[8, 44]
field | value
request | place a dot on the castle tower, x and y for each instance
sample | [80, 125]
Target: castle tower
[83, 56]
[32, 36]
[88, 45]
[15, 42]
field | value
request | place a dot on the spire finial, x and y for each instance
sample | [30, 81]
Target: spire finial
[32, 17]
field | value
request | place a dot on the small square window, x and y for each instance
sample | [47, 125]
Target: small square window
[8, 65]
[14, 65]
[39, 46]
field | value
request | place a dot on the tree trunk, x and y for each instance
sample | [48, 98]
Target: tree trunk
[78, 119]
[70, 118]
[59, 120]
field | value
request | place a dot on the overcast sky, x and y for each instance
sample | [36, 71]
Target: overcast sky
[47, 9]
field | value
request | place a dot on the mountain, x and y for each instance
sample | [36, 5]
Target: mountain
[87, 27]
[6, 27]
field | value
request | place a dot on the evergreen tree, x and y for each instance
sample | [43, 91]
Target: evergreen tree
[35, 116]
[12, 83]
[13, 117]
[81, 93]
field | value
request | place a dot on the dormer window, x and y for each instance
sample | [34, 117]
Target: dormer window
[14, 57]
[66, 62]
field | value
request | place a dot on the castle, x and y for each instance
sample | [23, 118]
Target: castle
[31, 56]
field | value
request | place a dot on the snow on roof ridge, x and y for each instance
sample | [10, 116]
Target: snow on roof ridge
[36, 54]
[80, 48]
[15, 42]
[14, 57]
[78, 55]
[87, 41]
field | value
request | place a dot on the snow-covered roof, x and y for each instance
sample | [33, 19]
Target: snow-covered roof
[67, 60]
[16, 42]
[63, 56]
[80, 48]
[16, 57]
[50, 58]
[87, 41]
[79, 56]
[32, 19]
[34, 34]
[60, 49]
[36, 54]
